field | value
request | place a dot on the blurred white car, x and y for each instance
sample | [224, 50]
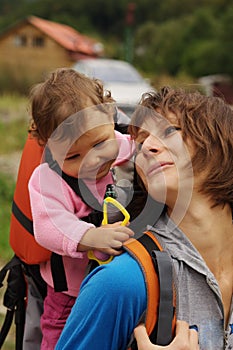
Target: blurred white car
[120, 77]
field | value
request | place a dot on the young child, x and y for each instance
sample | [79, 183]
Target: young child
[73, 117]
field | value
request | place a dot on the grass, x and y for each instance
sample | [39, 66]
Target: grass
[13, 106]
[13, 123]
[13, 133]
[7, 186]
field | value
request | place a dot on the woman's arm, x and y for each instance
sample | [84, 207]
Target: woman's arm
[111, 301]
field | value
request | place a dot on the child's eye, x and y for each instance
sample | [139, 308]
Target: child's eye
[75, 156]
[99, 144]
[171, 129]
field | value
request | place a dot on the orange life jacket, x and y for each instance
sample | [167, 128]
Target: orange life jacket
[157, 269]
[21, 228]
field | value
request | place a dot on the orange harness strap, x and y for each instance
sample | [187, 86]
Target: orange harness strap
[155, 322]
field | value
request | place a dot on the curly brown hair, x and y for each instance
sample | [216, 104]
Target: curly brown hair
[208, 123]
[64, 93]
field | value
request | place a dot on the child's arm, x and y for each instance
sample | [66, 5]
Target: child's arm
[56, 225]
[107, 239]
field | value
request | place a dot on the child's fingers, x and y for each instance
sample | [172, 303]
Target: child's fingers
[125, 230]
[117, 225]
[114, 252]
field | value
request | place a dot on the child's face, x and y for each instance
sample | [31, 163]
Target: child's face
[92, 155]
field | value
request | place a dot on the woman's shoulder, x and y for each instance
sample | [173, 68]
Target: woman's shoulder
[123, 275]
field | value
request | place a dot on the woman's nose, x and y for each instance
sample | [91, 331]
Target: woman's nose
[151, 145]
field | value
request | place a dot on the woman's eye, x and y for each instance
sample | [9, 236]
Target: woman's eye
[139, 147]
[171, 129]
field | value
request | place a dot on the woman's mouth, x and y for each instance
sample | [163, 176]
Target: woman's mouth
[158, 167]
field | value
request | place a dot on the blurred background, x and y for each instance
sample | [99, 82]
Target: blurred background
[164, 40]
[154, 43]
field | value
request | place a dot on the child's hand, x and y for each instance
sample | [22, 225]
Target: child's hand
[107, 239]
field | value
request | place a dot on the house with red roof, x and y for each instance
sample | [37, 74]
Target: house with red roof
[31, 48]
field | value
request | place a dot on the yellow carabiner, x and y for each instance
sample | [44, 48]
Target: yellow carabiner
[119, 206]
[91, 256]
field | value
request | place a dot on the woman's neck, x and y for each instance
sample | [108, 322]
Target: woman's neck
[209, 229]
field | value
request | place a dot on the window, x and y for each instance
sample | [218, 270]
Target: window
[20, 40]
[38, 41]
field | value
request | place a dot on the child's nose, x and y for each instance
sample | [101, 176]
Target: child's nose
[92, 161]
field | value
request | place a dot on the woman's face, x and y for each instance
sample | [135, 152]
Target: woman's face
[163, 160]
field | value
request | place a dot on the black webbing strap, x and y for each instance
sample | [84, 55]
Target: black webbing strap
[57, 266]
[22, 218]
[81, 189]
[77, 185]
[148, 243]
[58, 273]
[162, 332]
[14, 300]
[165, 312]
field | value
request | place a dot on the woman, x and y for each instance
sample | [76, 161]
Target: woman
[185, 161]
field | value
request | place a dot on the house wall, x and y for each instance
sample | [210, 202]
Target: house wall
[27, 60]
[224, 90]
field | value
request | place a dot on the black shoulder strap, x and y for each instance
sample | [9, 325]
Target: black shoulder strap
[80, 188]
[162, 331]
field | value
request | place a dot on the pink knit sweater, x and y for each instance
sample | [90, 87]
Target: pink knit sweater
[56, 210]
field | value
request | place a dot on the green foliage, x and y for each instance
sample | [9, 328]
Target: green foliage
[196, 44]
[195, 58]
[225, 42]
